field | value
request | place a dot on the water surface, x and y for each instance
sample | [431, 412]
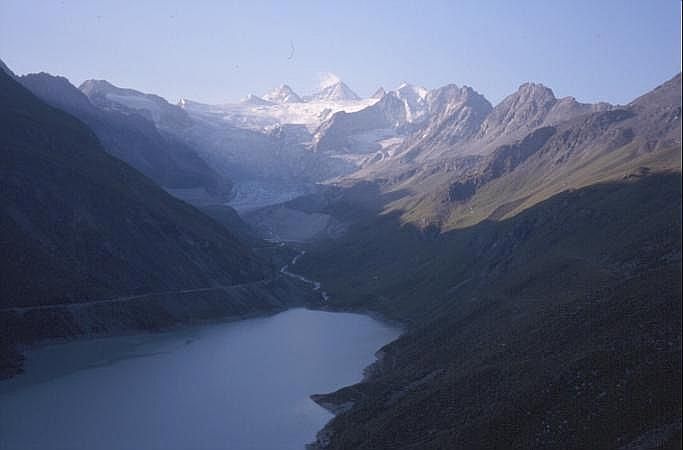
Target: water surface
[239, 385]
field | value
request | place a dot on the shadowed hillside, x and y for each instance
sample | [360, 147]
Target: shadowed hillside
[560, 325]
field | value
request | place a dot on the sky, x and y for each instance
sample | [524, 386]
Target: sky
[220, 51]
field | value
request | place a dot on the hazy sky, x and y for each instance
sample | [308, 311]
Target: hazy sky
[217, 51]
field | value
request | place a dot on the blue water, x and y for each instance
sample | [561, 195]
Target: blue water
[238, 385]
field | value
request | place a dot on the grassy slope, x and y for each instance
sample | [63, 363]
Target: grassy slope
[456, 192]
[569, 311]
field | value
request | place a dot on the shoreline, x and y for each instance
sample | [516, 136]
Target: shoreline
[323, 400]
[147, 315]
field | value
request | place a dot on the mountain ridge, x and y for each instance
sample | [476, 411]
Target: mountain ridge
[77, 159]
[337, 92]
[282, 94]
[134, 139]
[540, 284]
[105, 95]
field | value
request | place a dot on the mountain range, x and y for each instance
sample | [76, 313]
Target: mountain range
[531, 249]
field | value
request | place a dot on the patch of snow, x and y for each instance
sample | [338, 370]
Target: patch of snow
[136, 102]
[327, 79]
[262, 117]
[415, 100]
[282, 94]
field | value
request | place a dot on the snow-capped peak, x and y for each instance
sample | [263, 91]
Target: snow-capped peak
[406, 90]
[189, 104]
[379, 93]
[327, 79]
[415, 100]
[282, 94]
[255, 100]
[337, 92]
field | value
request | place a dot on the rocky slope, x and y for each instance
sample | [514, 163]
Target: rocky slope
[583, 150]
[456, 115]
[462, 124]
[335, 92]
[404, 121]
[338, 133]
[132, 138]
[107, 96]
[282, 94]
[251, 142]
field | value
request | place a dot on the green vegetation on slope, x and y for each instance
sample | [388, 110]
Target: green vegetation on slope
[557, 327]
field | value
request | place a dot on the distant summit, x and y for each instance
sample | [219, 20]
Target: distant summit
[4, 68]
[337, 92]
[415, 100]
[379, 93]
[282, 94]
[94, 87]
[531, 106]
[105, 95]
[255, 100]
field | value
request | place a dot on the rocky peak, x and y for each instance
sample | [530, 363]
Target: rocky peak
[93, 87]
[56, 90]
[519, 113]
[255, 100]
[338, 92]
[451, 97]
[4, 68]
[282, 94]
[456, 113]
[379, 93]
[664, 96]
[105, 95]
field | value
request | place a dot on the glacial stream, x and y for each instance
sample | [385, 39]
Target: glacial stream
[236, 385]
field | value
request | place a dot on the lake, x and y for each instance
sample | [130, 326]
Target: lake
[237, 385]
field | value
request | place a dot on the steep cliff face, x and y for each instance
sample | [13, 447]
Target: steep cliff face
[336, 134]
[107, 96]
[456, 115]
